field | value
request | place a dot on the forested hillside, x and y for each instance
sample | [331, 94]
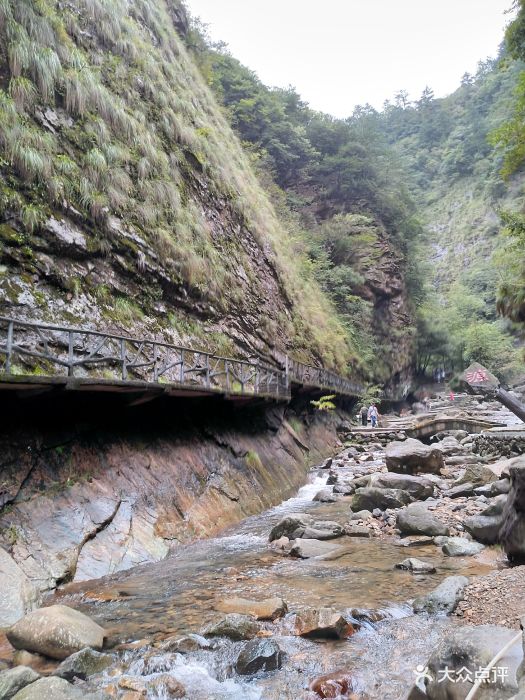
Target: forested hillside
[338, 186]
[461, 186]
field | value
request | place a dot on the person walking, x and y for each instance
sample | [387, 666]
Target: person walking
[373, 415]
[364, 416]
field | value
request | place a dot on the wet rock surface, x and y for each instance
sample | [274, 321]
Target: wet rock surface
[57, 631]
[364, 641]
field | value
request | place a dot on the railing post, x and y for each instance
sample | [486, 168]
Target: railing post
[155, 362]
[70, 355]
[123, 359]
[181, 373]
[9, 346]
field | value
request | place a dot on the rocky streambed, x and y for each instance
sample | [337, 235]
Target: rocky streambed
[383, 570]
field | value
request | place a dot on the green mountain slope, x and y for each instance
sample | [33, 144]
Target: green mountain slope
[126, 201]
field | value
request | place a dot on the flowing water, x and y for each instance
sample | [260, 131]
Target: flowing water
[178, 596]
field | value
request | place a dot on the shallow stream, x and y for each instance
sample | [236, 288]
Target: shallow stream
[178, 596]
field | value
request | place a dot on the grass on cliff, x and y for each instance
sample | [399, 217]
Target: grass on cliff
[103, 113]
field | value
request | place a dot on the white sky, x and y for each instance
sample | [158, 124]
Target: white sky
[340, 53]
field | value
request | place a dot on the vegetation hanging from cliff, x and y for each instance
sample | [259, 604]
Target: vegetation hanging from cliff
[105, 119]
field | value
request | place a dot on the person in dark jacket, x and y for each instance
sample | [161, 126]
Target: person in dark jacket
[364, 416]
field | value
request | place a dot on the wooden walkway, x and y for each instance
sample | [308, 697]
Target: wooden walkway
[37, 357]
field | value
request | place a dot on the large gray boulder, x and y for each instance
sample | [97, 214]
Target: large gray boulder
[416, 519]
[461, 547]
[56, 689]
[234, 626]
[477, 475]
[512, 531]
[444, 598]
[371, 497]
[412, 456]
[18, 596]
[486, 526]
[418, 487]
[15, 679]
[472, 648]
[82, 664]
[56, 631]
[323, 623]
[291, 526]
[259, 655]
[302, 525]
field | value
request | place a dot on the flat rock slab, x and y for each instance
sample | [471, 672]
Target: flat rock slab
[307, 549]
[416, 566]
[56, 631]
[371, 497]
[267, 609]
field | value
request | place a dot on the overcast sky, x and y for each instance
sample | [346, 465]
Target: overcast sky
[340, 53]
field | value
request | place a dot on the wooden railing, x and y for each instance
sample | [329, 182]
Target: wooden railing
[40, 349]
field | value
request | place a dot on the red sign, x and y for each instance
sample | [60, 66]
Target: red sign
[477, 376]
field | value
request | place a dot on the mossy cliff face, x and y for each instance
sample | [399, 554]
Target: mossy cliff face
[79, 506]
[126, 202]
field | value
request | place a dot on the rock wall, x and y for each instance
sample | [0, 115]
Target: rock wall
[83, 501]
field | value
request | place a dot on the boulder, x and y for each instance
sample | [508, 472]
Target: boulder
[370, 497]
[484, 528]
[267, 609]
[234, 626]
[333, 685]
[450, 445]
[361, 515]
[166, 686]
[325, 496]
[18, 596]
[416, 566]
[323, 623]
[472, 648]
[344, 488]
[417, 520]
[495, 488]
[418, 487]
[56, 689]
[259, 655]
[14, 679]
[56, 631]
[185, 645]
[290, 525]
[357, 531]
[477, 475]
[444, 598]
[512, 532]
[307, 549]
[412, 456]
[460, 491]
[461, 547]
[82, 664]
[323, 530]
